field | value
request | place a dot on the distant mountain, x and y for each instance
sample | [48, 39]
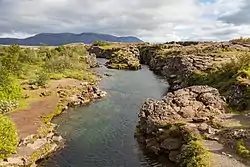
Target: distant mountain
[55, 39]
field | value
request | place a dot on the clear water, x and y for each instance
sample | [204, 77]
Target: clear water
[102, 134]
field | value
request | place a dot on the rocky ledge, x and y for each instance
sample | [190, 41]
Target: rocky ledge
[124, 59]
[175, 125]
[120, 56]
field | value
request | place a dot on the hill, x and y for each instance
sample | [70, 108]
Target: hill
[55, 39]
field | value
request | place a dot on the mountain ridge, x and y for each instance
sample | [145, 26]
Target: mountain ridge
[55, 39]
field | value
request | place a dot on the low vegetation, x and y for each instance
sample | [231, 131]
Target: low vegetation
[242, 149]
[22, 67]
[8, 136]
[233, 74]
[241, 40]
[194, 155]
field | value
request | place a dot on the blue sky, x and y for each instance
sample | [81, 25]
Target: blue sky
[154, 21]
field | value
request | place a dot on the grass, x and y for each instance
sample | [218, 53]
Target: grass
[234, 73]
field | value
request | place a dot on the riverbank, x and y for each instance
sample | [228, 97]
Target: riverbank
[43, 99]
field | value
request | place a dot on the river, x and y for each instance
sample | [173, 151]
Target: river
[102, 134]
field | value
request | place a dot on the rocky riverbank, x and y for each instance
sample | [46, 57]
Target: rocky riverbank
[46, 141]
[181, 124]
[223, 65]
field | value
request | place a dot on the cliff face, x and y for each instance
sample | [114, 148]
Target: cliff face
[214, 64]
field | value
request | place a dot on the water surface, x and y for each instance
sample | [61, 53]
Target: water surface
[102, 134]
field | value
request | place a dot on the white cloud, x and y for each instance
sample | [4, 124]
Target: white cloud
[155, 21]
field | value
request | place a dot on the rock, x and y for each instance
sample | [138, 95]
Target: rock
[108, 75]
[57, 139]
[182, 105]
[203, 127]
[153, 145]
[16, 160]
[37, 144]
[173, 155]
[200, 120]
[211, 130]
[25, 141]
[65, 108]
[91, 60]
[34, 87]
[46, 93]
[50, 135]
[171, 144]
[187, 112]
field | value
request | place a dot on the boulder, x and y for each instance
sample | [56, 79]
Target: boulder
[171, 144]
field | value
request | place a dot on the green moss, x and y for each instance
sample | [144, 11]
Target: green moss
[242, 150]
[194, 154]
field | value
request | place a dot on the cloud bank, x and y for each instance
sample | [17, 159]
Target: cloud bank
[154, 21]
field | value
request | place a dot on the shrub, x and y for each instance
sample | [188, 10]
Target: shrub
[242, 150]
[42, 79]
[10, 89]
[10, 60]
[101, 43]
[8, 137]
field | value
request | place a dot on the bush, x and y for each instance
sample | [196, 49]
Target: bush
[8, 136]
[101, 43]
[242, 150]
[42, 79]
[10, 89]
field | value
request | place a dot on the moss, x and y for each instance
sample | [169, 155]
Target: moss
[241, 149]
[194, 154]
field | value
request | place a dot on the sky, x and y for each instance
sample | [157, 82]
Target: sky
[150, 20]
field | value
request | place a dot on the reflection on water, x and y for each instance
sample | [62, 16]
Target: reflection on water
[102, 134]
